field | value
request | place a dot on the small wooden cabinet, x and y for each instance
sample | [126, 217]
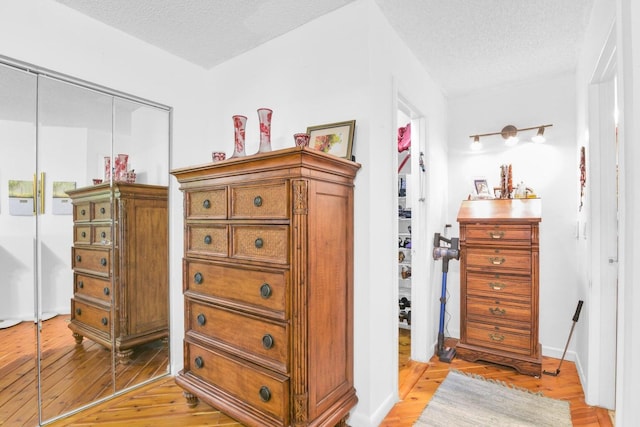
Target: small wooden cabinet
[268, 287]
[499, 270]
[120, 265]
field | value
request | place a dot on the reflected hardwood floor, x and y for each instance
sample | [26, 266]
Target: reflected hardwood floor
[72, 375]
[161, 403]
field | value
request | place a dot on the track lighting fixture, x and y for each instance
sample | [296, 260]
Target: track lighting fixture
[510, 135]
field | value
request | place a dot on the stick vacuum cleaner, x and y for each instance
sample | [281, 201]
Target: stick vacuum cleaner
[448, 251]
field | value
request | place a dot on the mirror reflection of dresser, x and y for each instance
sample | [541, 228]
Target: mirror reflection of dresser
[55, 133]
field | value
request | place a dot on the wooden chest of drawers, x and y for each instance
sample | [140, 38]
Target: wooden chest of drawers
[499, 267]
[120, 259]
[268, 287]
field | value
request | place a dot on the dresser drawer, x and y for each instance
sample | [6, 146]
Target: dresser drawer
[260, 341]
[91, 260]
[498, 311]
[90, 315]
[92, 287]
[260, 201]
[210, 240]
[476, 233]
[499, 285]
[101, 210]
[82, 234]
[499, 337]
[261, 243]
[102, 235]
[264, 290]
[263, 390]
[82, 212]
[498, 259]
[209, 204]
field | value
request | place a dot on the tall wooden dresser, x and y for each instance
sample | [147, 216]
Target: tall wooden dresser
[120, 265]
[499, 270]
[268, 287]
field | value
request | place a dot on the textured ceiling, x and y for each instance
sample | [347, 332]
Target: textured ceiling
[464, 44]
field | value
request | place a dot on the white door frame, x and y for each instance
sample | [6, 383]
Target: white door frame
[603, 247]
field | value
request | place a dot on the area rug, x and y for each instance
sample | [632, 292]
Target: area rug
[471, 400]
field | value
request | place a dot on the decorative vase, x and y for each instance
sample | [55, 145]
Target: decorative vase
[301, 139]
[264, 115]
[121, 169]
[239, 122]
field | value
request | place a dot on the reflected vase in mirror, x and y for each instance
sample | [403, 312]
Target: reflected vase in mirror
[264, 115]
[239, 123]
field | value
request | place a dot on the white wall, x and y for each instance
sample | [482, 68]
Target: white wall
[49, 35]
[345, 65]
[549, 168]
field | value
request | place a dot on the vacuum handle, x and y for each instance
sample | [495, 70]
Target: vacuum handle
[578, 309]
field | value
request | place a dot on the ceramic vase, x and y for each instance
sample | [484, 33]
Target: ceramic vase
[239, 123]
[121, 169]
[264, 115]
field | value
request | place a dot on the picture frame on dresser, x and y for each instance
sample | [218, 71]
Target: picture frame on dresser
[333, 138]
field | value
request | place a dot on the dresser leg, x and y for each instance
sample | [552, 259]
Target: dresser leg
[192, 400]
[77, 337]
[124, 356]
[343, 422]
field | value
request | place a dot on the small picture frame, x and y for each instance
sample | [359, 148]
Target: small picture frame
[333, 138]
[482, 188]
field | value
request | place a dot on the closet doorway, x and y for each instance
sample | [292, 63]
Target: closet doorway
[413, 245]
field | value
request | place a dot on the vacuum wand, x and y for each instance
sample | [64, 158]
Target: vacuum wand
[576, 316]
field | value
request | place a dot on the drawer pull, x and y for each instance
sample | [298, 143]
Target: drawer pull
[259, 243]
[83, 212]
[199, 361]
[105, 322]
[78, 258]
[206, 204]
[267, 341]
[83, 234]
[102, 210]
[497, 286]
[80, 284]
[257, 201]
[498, 311]
[265, 393]
[103, 234]
[207, 240]
[496, 337]
[496, 260]
[496, 235]
[78, 311]
[103, 261]
[265, 291]
[106, 290]
[201, 319]
[198, 278]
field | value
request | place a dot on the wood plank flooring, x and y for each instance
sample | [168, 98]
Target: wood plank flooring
[161, 403]
[72, 375]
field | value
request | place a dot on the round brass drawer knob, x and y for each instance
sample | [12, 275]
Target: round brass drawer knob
[201, 319]
[106, 291]
[103, 210]
[105, 321]
[265, 393]
[83, 234]
[199, 361]
[103, 262]
[78, 258]
[81, 284]
[267, 341]
[78, 311]
[265, 291]
[259, 243]
[207, 240]
[257, 201]
[198, 278]
[103, 234]
[206, 204]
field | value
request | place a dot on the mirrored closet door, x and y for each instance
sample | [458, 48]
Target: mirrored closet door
[83, 239]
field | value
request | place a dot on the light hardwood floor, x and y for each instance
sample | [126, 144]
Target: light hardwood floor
[161, 403]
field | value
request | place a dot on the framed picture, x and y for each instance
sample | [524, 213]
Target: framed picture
[482, 188]
[334, 138]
